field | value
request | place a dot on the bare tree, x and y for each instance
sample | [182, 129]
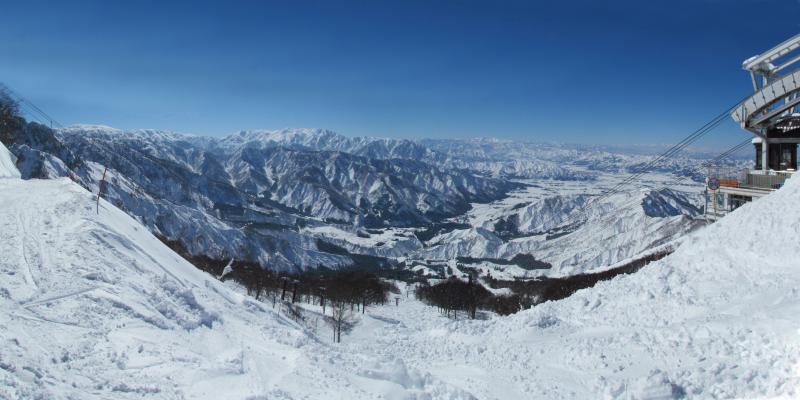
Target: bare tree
[10, 118]
[342, 317]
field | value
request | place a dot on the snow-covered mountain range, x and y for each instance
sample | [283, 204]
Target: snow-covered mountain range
[93, 306]
[272, 196]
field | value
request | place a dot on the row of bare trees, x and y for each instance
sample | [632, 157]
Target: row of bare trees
[535, 291]
[343, 292]
[338, 293]
[453, 295]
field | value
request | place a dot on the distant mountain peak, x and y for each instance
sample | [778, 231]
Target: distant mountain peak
[91, 128]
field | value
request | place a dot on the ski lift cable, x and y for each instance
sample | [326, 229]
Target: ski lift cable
[643, 170]
[699, 169]
[684, 178]
[718, 158]
[29, 108]
[667, 154]
[25, 108]
[730, 151]
[582, 214]
[706, 164]
[33, 110]
[674, 150]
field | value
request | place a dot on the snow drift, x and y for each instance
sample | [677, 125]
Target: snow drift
[719, 318]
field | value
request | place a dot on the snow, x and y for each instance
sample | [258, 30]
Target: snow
[618, 227]
[719, 318]
[8, 167]
[92, 306]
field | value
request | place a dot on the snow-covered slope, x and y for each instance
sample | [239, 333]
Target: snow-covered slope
[601, 234]
[8, 168]
[92, 306]
[717, 319]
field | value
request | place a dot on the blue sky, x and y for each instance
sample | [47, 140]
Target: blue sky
[570, 71]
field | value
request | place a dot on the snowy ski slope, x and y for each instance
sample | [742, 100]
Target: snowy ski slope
[92, 306]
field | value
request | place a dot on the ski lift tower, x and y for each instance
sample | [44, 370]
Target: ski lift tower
[772, 114]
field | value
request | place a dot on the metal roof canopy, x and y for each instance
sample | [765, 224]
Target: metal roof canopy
[762, 63]
[776, 95]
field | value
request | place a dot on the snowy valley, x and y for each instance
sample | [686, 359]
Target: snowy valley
[95, 306]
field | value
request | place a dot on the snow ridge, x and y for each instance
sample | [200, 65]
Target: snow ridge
[8, 167]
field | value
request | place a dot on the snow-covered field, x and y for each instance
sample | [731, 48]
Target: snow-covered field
[92, 306]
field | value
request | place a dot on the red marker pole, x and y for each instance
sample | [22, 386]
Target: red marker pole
[100, 188]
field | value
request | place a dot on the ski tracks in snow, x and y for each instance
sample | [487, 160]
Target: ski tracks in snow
[28, 251]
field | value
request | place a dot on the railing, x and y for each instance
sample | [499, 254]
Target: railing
[751, 179]
[762, 181]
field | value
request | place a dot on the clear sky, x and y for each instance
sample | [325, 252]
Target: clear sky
[643, 71]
